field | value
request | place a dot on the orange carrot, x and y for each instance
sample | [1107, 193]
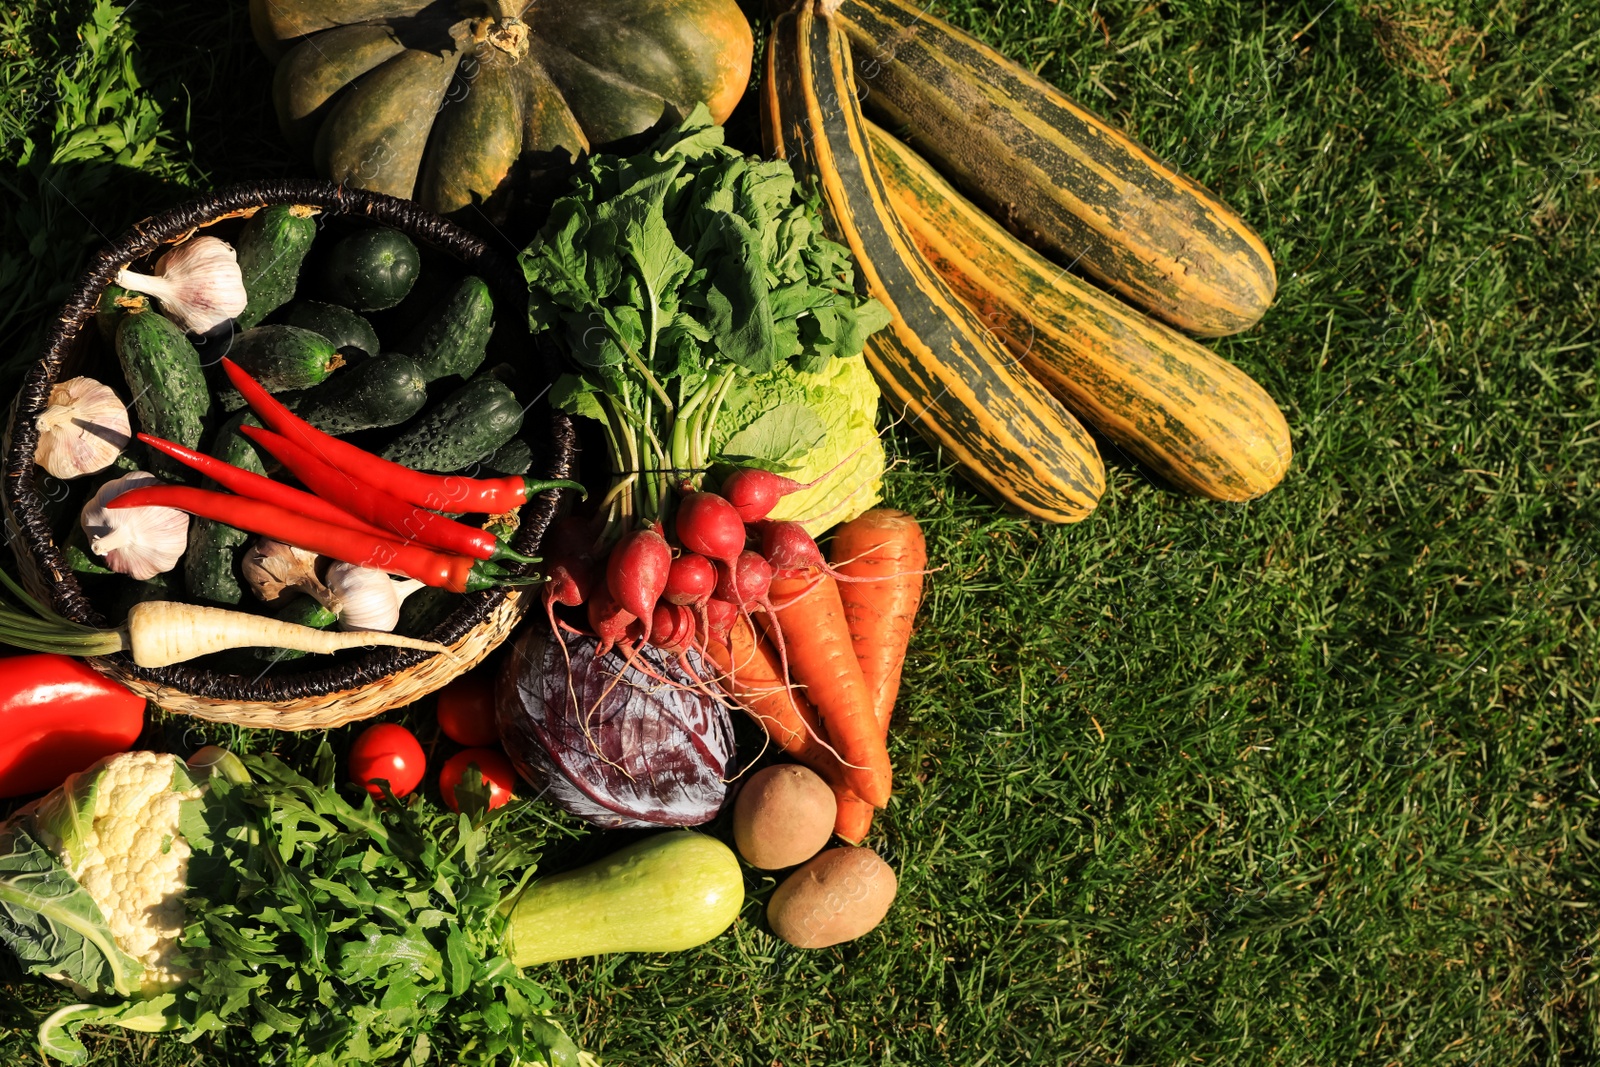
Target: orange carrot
[817, 642]
[752, 676]
[887, 546]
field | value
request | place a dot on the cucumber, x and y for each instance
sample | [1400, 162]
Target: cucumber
[380, 392]
[372, 270]
[80, 559]
[302, 611]
[114, 304]
[423, 610]
[271, 248]
[163, 373]
[513, 457]
[282, 358]
[461, 429]
[341, 326]
[125, 592]
[210, 570]
[454, 338]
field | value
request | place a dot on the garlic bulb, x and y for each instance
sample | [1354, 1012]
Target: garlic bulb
[271, 567]
[366, 598]
[198, 284]
[84, 429]
[138, 542]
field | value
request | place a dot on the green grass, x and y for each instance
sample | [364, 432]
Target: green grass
[1304, 781]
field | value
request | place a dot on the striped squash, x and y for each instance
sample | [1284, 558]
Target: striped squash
[938, 366]
[1059, 177]
[1193, 417]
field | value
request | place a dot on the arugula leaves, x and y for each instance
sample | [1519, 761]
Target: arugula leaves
[345, 931]
[669, 274]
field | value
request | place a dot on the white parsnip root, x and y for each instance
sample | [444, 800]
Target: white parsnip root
[161, 632]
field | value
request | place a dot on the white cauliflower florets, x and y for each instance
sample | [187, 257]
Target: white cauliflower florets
[132, 860]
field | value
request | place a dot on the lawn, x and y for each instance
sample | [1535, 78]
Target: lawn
[1309, 780]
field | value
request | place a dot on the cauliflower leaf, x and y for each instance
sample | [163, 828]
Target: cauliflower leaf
[51, 922]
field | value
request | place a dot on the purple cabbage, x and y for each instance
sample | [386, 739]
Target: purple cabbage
[634, 751]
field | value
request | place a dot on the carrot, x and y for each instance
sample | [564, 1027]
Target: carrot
[817, 642]
[886, 546]
[751, 673]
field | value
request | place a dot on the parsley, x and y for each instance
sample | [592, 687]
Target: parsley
[669, 276]
[351, 932]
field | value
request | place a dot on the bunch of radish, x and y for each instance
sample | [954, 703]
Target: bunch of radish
[673, 592]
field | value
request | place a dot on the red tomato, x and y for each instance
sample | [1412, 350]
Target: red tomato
[466, 710]
[389, 752]
[494, 767]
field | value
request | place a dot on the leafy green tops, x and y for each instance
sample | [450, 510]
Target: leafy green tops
[669, 275]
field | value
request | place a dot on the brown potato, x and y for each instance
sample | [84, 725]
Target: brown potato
[836, 897]
[783, 816]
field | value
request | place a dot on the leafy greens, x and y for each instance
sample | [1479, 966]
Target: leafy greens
[339, 931]
[669, 277]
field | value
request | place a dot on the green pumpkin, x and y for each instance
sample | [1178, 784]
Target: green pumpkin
[441, 101]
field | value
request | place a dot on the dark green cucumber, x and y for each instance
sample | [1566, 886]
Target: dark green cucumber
[302, 611]
[461, 429]
[271, 249]
[114, 304]
[455, 336]
[379, 392]
[282, 358]
[425, 609]
[163, 373]
[124, 592]
[210, 569]
[371, 270]
[80, 558]
[513, 457]
[341, 326]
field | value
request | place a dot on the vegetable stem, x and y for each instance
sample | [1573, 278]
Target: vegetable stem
[650, 379]
[45, 631]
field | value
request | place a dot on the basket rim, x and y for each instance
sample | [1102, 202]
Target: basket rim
[23, 501]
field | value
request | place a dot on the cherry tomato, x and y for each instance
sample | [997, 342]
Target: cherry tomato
[466, 710]
[494, 767]
[389, 752]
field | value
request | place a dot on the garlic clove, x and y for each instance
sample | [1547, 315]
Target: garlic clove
[368, 598]
[138, 542]
[83, 430]
[198, 284]
[272, 567]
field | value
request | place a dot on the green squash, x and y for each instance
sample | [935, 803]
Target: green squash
[667, 893]
[442, 101]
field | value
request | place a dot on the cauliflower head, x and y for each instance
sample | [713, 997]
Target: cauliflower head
[114, 829]
[121, 842]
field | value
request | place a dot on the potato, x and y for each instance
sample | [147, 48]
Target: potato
[783, 816]
[836, 897]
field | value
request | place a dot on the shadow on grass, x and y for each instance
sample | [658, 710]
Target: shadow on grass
[201, 64]
[60, 217]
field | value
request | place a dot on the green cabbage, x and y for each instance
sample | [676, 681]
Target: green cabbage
[804, 425]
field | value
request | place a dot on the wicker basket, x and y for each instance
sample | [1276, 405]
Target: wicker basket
[326, 694]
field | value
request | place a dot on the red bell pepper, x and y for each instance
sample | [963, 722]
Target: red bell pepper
[57, 716]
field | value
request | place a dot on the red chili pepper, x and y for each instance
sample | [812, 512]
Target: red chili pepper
[459, 574]
[57, 716]
[389, 514]
[437, 492]
[252, 485]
